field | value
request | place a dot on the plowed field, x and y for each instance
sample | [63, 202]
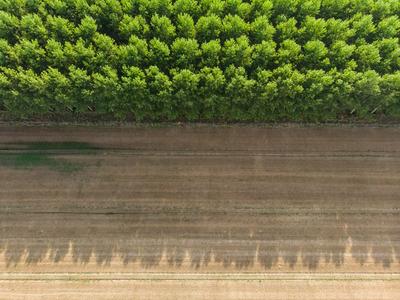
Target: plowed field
[202, 213]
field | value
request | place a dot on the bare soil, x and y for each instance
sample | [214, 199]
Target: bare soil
[204, 201]
[205, 289]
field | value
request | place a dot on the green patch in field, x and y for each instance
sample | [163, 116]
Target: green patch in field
[50, 146]
[76, 146]
[27, 160]
[43, 154]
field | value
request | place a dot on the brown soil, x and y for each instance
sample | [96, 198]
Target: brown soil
[204, 200]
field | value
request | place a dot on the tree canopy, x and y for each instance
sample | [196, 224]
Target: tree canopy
[228, 60]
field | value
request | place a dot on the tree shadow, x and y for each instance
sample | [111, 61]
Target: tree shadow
[229, 241]
[379, 239]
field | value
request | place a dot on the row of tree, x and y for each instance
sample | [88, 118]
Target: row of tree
[201, 59]
[110, 12]
[382, 56]
[357, 28]
[210, 94]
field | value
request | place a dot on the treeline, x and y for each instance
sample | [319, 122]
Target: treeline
[232, 60]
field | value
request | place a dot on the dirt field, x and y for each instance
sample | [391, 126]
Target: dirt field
[278, 287]
[184, 202]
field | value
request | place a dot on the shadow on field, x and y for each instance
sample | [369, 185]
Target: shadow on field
[308, 241]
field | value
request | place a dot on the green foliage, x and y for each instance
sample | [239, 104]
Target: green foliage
[315, 54]
[256, 60]
[185, 26]
[108, 14]
[106, 88]
[60, 28]
[341, 53]
[266, 90]
[309, 8]
[261, 29]
[55, 90]
[212, 7]
[211, 91]
[338, 30]
[162, 28]
[234, 26]
[285, 7]
[239, 89]
[190, 7]
[367, 92]
[135, 53]
[159, 53]
[390, 54]
[80, 90]
[389, 27]
[287, 29]
[313, 29]
[264, 54]
[367, 56]
[80, 54]
[106, 51]
[148, 8]
[9, 24]
[211, 53]
[185, 52]
[32, 27]
[209, 27]
[289, 89]
[237, 52]
[87, 28]
[25, 92]
[390, 87]
[185, 85]
[133, 91]
[160, 92]
[27, 54]
[261, 8]
[318, 98]
[5, 50]
[363, 26]
[289, 52]
[133, 26]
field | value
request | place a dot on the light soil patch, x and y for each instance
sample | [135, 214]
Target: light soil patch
[281, 288]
